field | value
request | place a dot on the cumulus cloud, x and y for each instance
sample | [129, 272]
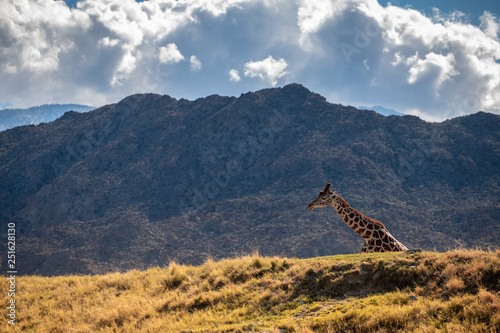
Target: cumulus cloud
[450, 55]
[490, 25]
[437, 67]
[351, 51]
[269, 70]
[35, 34]
[100, 51]
[442, 67]
[312, 15]
[170, 54]
[195, 63]
[234, 75]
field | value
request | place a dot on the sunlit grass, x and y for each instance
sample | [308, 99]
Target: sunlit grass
[456, 291]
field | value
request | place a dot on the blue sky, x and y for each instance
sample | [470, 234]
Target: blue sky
[472, 8]
[436, 59]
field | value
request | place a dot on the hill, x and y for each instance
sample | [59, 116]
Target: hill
[456, 291]
[10, 118]
[152, 179]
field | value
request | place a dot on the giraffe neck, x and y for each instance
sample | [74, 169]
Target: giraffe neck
[362, 225]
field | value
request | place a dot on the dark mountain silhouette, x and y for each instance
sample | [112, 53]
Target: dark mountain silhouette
[152, 179]
[10, 118]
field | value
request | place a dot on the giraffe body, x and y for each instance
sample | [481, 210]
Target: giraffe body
[377, 237]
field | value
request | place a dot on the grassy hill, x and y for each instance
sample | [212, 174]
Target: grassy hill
[457, 291]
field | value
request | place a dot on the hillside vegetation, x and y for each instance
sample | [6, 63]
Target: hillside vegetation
[151, 179]
[457, 291]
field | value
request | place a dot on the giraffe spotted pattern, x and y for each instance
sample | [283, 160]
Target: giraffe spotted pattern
[377, 237]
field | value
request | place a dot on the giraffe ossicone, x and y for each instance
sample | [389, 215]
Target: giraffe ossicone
[377, 237]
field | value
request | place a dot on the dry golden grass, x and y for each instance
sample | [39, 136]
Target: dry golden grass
[456, 291]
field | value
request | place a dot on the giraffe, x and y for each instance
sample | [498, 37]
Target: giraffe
[377, 237]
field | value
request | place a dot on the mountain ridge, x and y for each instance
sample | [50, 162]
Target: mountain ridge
[10, 118]
[152, 179]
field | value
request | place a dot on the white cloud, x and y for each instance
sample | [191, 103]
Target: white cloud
[170, 54]
[490, 25]
[436, 58]
[108, 42]
[269, 70]
[195, 63]
[436, 66]
[35, 31]
[397, 59]
[312, 15]
[125, 67]
[442, 67]
[234, 76]
[9, 68]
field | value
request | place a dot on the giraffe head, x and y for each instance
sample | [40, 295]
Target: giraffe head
[323, 199]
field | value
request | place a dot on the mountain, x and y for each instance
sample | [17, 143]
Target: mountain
[382, 110]
[153, 179]
[10, 118]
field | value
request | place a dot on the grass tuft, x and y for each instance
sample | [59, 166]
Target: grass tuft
[455, 284]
